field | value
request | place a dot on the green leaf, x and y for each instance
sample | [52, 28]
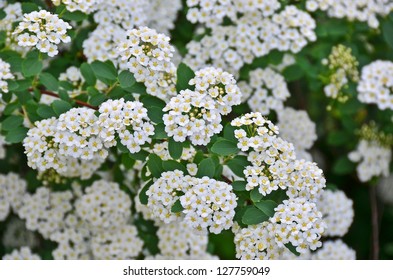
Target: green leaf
[206, 168]
[229, 133]
[184, 75]
[16, 135]
[3, 35]
[2, 15]
[60, 107]
[127, 161]
[253, 216]
[142, 195]
[343, 166]
[159, 131]
[292, 248]
[12, 122]
[96, 97]
[239, 185]
[29, 7]
[387, 31]
[171, 165]
[152, 101]
[74, 16]
[177, 207]
[293, 73]
[31, 67]
[155, 114]
[255, 195]
[126, 79]
[49, 81]
[175, 149]
[238, 164]
[11, 107]
[104, 70]
[267, 207]
[224, 147]
[141, 155]
[88, 74]
[338, 138]
[154, 163]
[45, 111]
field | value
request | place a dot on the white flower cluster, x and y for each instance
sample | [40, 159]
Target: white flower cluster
[374, 160]
[104, 206]
[268, 91]
[296, 127]
[45, 211]
[5, 74]
[256, 30]
[12, 190]
[376, 84]
[361, 10]
[161, 14]
[337, 211]
[121, 244]
[42, 30]
[85, 6]
[13, 13]
[298, 221]
[178, 241]
[207, 204]
[334, 250]
[23, 253]
[127, 119]
[44, 151]
[161, 150]
[192, 115]
[147, 54]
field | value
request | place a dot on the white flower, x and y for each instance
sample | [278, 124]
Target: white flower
[23, 253]
[12, 190]
[5, 74]
[334, 250]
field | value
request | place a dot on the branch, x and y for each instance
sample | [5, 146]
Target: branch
[78, 102]
[226, 180]
[49, 4]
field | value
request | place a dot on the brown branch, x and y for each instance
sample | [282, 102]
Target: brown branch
[226, 179]
[374, 222]
[49, 4]
[78, 102]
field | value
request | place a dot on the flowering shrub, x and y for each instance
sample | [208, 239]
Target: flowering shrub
[195, 129]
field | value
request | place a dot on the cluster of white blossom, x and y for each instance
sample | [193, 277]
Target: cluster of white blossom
[206, 204]
[104, 206]
[297, 128]
[334, 250]
[147, 54]
[42, 30]
[361, 10]
[85, 6]
[13, 13]
[5, 74]
[16, 235]
[161, 150]
[45, 153]
[12, 190]
[376, 83]
[161, 14]
[373, 159]
[268, 91]
[44, 211]
[298, 221]
[192, 115]
[73, 76]
[23, 253]
[127, 119]
[337, 211]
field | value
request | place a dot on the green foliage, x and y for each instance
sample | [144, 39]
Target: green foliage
[184, 74]
[207, 168]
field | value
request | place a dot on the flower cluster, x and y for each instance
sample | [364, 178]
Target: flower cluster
[376, 83]
[42, 30]
[337, 211]
[334, 250]
[127, 119]
[147, 54]
[23, 253]
[361, 10]
[268, 91]
[297, 128]
[5, 74]
[13, 13]
[161, 14]
[206, 204]
[374, 160]
[85, 6]
[12, 190]
[192, 115]
[297, 221]
[103, 206]
[161, 150]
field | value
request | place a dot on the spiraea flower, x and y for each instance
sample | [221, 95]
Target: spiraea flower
[376, 83]
[128, 120]
[192, 115]
[42, 30]
[268, 91]
[162, 14]
[334, 250]
[219, 85]
[104, 206]
[147, 54]
[12, 190]
[85, 6]
[23, 253]
[5, 74]
[337, 211]
[297, 128]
